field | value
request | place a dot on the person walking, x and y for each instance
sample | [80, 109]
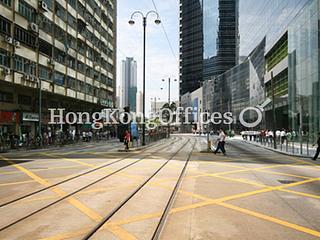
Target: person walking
[318, 149]
[127, 139]
[283, 136]
[221, 142]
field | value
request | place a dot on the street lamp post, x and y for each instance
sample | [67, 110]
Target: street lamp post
[169, 98]
[132, 22]
[273, 113]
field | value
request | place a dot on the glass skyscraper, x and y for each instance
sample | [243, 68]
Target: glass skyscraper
[191, 45]
[265, 18]
[304, 69]
[220, 34]
[208, 40]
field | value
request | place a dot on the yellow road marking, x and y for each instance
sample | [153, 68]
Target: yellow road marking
[41, 170]
[81, 193]
[121, 233]
[68, 235]
[301, 193]
[89, 212]
[108, 170]
[271, 219]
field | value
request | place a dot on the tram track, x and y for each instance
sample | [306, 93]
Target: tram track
[159, 227]
[83, 187]
[69, 179]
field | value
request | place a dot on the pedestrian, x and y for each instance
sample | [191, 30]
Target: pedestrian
[318, 149]
[283, 135]
[221, 142]
[127, 139]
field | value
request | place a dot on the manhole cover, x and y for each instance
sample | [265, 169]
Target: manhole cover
[286, 181]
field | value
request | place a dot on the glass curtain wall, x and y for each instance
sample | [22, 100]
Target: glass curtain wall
[304, 82]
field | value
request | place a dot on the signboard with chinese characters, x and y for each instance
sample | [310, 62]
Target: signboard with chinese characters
[30, 117]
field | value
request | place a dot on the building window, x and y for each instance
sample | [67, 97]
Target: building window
[27, 11]
[18, 63]
[49, 3]
[72, 83]
[60, 11]
[58, 78]
[89, 89]
[82, 87]
[73, 3]
[59, 33]
[6, 2]
[5, 26]
[71, 62]
[59, 56]
[103, 79]
[24, 36]
[72, 21]
[45, 48]
[81, 67]
[44, 72]
[24, 65]
[81, 47]
[24, 100]
[46, 25]
[4, 58]
[71, 42]
[6, 97]
[29, 67]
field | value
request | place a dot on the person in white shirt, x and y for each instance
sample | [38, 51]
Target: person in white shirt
[283, 135]
[221, 142]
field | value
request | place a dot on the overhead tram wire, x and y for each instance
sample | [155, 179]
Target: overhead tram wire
[165, 33]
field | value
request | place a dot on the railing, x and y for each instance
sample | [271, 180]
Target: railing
[298, 145]
[11, 143]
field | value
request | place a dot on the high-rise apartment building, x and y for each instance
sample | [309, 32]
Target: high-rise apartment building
[63, 51]
[129, 84]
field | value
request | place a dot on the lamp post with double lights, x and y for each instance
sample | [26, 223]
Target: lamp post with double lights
[132, 22]
[169, 97]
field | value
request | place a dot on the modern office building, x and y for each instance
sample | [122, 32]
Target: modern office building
[129, 84]
[263, 39]
[209, 40]
[191, 45]
[268, 19]
[220, 36]
[303, 71]
[62, 50]
[276, 83]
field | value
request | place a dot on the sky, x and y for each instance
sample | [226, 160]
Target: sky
[161, 62]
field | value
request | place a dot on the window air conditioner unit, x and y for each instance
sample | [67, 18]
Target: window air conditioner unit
[34, 27]
[8, 39]
[50, 62]
[5, 71]
[33, 79]
[17, 44]
[43, 6]
[27, 77]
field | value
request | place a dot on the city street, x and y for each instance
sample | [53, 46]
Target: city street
[172, 189]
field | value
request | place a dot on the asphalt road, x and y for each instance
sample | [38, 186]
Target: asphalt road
[66, 193]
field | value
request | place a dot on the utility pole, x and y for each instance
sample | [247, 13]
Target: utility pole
[273, 113]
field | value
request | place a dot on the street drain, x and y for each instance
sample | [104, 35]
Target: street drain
[286, 181]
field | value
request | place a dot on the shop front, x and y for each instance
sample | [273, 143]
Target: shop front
[29, 125]
[9, 122]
